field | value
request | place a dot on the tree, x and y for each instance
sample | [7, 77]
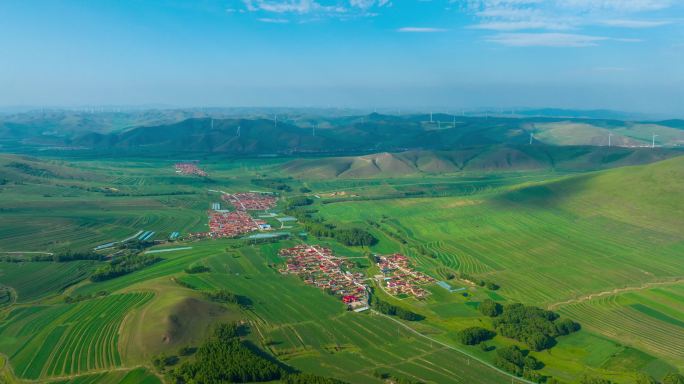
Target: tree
[225, 358]
[566, 326]
[298, 201]
[475, 335]
[539, 341]
[393, 310]
[354, 236]
[534, 326]
[490, 308]
[492, 286]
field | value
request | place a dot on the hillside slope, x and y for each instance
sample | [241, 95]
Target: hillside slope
[647, 196]
[496, 158]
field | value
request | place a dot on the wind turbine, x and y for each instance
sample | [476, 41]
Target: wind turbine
[237, 133]
[609, 136]
[653, 140]
[531, 137]
[431, 117]
[275, 121]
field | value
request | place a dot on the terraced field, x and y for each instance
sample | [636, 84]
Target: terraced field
[651, 319]
[550, 243]
[544, 243]
[33, 281]
[83, 224]
[135, 376]
[67, 339]
[308, 329]
[537, 256]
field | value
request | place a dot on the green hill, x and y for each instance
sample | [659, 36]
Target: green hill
[603, 248]
[162, 133]
[649, 195]
[487, 159]
[627, 134]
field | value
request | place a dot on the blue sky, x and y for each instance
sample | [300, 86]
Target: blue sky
[618, 54]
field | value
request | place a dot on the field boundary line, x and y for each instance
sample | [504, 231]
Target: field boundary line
[615, 291]
[510, 375]
[29, 252]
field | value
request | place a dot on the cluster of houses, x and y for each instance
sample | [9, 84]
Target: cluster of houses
[189, 169]
[224, 223]
[250, 201]
[318, 266]
[229, 224]
[399, 278]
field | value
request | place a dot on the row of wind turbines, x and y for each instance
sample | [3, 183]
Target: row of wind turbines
[432, 121]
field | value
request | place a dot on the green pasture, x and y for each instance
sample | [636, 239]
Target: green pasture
[548, 239]
[33, 281]
[649, 319]
[134, 376]
[66, 339]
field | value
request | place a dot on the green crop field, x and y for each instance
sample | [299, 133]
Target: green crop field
[67, 339]
[544, 243]
[32, 281]
[134, 376]
[651, 319]
[310, 330]
[601, 248]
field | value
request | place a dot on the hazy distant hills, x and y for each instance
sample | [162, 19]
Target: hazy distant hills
[177, 132]
[376, 133]
[233, 136]
[488, 159]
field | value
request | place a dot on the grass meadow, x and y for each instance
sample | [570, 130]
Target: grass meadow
[601, 248]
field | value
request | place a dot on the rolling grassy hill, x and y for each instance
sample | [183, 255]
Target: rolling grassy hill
[479, 159]
[555, 243]
[370, 133]
[601, 247]
[596, 133]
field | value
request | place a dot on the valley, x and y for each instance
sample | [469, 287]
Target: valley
[594, 244]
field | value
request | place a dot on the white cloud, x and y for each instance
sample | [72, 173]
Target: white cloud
[316, 8]
[273, 21]
[545, 39]
[289, 6]
[626, 23]
[617, 5]
[520, 25]
[421, 30]
[539, 22]
[366, 4]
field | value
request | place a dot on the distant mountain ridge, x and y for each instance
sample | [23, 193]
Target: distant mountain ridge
[375, 133]
[170, 133]
[478, 159]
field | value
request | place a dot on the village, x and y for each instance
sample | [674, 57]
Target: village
[398, 278]
[250, 201]
[228, 224]
[318, 266]
[189, 169]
